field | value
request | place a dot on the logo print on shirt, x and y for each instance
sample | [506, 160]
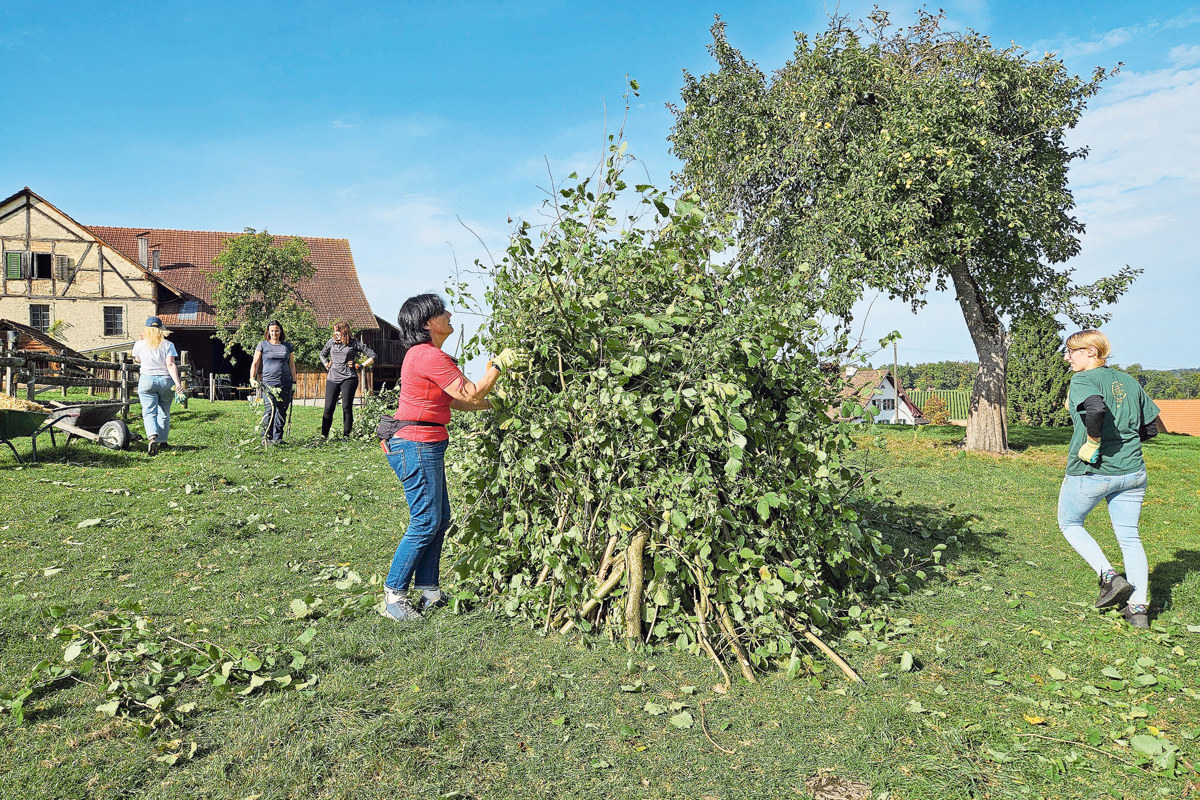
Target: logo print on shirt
[1118, 393]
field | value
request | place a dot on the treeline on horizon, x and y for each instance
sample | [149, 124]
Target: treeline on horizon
[1160, 384]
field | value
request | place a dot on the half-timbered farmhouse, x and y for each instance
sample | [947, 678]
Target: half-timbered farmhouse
[93, 286]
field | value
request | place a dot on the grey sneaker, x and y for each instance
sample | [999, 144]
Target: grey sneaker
[1113, 592]
[400, 610]
[152, 446]
[1136, 616]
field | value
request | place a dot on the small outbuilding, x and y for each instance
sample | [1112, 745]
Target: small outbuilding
[876, 391]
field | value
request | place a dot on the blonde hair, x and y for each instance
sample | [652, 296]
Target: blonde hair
[1090, 338]
[154, 336]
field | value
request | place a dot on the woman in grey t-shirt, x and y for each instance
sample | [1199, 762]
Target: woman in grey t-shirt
[275, 360]
[341, 356]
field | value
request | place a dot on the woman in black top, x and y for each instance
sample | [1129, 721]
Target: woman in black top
[340, 356]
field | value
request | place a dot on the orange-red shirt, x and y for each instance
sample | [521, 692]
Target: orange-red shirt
[426, 373]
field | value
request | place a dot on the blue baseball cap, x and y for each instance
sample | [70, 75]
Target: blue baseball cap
[153, 322]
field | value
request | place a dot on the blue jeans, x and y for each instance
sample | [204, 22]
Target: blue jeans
[1124, 493]
[421, 468]
[156, 393]
[275, 411]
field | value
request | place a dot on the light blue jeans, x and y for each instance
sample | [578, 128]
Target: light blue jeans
[1124, 493]
[421, 467]
[156, 393]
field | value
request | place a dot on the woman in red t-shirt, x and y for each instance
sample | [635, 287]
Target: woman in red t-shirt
[431, 384]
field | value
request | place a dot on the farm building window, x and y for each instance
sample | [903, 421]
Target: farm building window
[114, 321]
[39, 266]
[42, 266]
[39, 317]
[887, 404]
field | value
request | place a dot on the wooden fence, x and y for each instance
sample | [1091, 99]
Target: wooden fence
[39, 371]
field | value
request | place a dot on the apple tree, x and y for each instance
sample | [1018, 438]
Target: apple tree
[905, 161]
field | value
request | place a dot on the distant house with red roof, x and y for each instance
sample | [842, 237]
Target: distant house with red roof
[876, 391]
[102, 282]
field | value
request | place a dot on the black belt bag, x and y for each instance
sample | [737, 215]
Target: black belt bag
[389, 426]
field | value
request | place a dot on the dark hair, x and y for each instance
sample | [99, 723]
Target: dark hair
[415, 315]
[343, 327]
[266, 330]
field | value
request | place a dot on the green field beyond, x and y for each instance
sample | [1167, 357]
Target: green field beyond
[994, 678]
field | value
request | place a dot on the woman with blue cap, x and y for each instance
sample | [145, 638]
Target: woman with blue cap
[158, 382]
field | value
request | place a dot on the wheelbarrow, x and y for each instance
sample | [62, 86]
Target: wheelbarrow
[15, 424]
[95, 421]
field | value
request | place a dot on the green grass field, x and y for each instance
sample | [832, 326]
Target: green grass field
[993, 679]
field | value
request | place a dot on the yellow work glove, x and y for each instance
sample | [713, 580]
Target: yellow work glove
[1089, 451]
[510, 360]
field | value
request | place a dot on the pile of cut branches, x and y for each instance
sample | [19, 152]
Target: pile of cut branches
[664, 470]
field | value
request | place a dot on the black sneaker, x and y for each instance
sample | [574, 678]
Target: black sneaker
[1113, 592]
[437, 601]
[1136, 616]
[152, 446]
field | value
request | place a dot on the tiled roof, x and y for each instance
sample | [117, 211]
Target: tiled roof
[44, 342]
[186, 262]
[861, 386]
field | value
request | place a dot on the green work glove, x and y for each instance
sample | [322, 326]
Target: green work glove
[254, 383]
[1089, 451]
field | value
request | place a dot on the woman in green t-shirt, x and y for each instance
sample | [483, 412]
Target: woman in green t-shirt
[1112, 417]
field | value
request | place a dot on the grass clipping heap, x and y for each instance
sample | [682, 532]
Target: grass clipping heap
[663, 470]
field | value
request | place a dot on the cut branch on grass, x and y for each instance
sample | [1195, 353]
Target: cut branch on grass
[601, 592]
[1079, 744]
[735, 643]
[704, 727]
[841, 663]
[637, 590]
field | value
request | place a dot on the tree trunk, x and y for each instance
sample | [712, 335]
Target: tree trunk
[987, 420]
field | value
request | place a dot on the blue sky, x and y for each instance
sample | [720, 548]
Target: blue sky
[388, 123]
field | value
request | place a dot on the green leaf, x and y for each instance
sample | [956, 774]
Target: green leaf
[72, 652]
[110, 708]
[906, 662]
[1147, 744]
[682, 720]
[1056, 674]
[251, 663]
[307, 636]
[654, 708]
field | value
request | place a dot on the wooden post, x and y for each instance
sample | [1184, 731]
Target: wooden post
[10, 388]
[212, 386]
[124, 380]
